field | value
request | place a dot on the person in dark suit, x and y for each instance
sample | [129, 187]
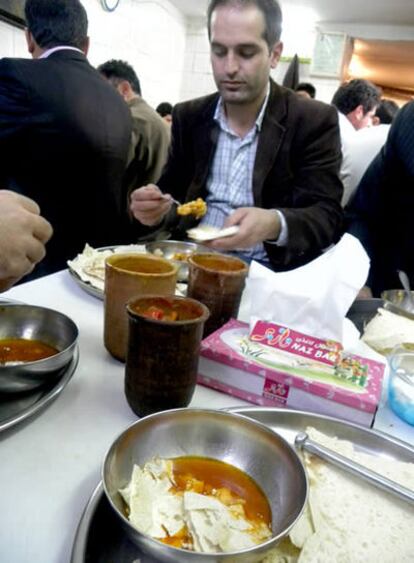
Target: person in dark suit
[264, 159]
[381, 213]
[64, 133]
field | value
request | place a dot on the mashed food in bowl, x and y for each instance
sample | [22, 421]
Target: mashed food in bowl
[197, 503]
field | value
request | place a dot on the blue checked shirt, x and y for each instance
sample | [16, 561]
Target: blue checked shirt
[229, 184]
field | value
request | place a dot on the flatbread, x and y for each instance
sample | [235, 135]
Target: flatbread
[387, 330]
[204, 233]
[348, 520]
[90, 263]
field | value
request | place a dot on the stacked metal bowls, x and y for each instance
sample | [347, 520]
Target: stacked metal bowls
[248, 445]
[35, 323]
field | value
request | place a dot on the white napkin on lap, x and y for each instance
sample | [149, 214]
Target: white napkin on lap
[314, 298]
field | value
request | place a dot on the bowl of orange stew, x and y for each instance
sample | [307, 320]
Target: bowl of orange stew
[178, 252]
[36, 343]
[172, 471]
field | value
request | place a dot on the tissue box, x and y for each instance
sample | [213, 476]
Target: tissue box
[233, 363]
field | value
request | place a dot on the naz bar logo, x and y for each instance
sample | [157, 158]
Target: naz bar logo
[283, 338]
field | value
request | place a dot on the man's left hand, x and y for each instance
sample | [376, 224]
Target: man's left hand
[255, 226]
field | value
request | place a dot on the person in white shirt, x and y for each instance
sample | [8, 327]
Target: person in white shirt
[356, 102]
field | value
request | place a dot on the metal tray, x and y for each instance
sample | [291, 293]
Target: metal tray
[86, 286]
[98, 293]
[100, 539]
[18, 408]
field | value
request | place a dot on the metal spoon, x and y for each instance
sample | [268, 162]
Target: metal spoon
[303, 442]
[406, 285]
[169, 197]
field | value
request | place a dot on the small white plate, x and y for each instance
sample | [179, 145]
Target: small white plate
[207, 232]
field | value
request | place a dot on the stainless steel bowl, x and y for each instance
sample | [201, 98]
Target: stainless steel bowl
[397, 301]
[169, 248]
[35, 323]
[235, 439]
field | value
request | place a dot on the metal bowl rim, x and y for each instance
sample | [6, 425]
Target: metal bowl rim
[170, 242]
[175, 550]
[55, 356]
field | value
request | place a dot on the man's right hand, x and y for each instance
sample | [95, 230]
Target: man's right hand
[23, 235]
[149, 205]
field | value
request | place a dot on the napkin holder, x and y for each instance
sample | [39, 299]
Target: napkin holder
[346, 386]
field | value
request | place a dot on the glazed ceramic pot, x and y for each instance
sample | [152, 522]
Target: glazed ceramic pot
[128, 276]
[163, 352]
[217, 281]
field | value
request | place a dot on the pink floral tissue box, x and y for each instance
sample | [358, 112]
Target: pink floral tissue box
[276, 366]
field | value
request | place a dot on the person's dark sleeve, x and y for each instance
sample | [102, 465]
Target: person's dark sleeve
[315, 217]
[378, 200]
[366, 208]
[14, 115]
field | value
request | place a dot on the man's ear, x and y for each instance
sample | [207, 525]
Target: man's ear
[124, 89]
[275, 54]
[355, 116]
[359, 112]
[31, 43]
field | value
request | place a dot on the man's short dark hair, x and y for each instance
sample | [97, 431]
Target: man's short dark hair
[116, 71]
[271, 12]
[306, 87]
[164, 108]
[57, 22]
[386, 111]
[357, 92]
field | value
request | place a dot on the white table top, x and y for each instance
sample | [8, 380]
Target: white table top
[50, 466]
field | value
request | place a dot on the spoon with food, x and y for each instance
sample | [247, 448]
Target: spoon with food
[197, 208]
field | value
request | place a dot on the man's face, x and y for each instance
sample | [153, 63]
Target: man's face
[239, 55]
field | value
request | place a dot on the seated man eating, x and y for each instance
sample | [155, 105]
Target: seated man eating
[263, 158]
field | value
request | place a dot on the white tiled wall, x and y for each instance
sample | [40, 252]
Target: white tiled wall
[150, 35]
[12, 41]
[171, 54]
[198, 79]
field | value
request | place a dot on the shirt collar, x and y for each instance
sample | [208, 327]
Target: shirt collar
[220, 116]
[58, 48]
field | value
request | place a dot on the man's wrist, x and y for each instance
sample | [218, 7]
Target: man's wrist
[282, 237]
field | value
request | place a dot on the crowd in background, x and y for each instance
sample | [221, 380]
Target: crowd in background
[292, 173]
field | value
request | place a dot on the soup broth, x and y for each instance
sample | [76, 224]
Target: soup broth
[219, 263]
[141, 265]
[161, 309]
[24, 350]
[210, 476]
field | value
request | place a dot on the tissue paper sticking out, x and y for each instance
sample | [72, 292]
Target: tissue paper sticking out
[314, 298]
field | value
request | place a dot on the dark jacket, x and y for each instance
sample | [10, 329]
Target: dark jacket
[296, 168]
[381, 212]
[64, 138]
